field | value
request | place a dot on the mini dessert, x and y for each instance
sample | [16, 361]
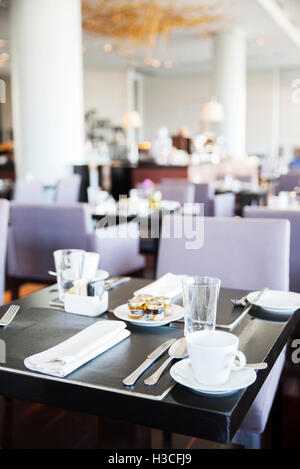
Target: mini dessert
[136, 308]
[154, 311]
[145, 298]
[166, 304]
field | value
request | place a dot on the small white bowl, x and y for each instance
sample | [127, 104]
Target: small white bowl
[86, 305]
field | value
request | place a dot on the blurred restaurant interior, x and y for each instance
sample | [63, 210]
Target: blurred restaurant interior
[114, 113]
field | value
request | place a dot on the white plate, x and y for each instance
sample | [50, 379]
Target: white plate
[182, 373]
[277, 301]
[177, 313]
[102, 274]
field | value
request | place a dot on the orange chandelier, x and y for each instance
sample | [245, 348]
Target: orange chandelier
[141, 22]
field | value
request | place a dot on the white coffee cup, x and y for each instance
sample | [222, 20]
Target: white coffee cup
[213, 355]
[90, 265]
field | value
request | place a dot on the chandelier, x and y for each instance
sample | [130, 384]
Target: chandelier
[141, 22]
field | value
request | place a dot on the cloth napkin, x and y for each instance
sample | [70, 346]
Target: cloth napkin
[79, 349]
[169, 285]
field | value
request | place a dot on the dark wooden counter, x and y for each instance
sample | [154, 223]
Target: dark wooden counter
[157, 173]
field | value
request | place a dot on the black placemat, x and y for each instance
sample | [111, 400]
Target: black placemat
[35, 330]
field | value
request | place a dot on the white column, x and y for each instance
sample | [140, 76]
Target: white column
[230, 81]
[275, 114]
[47, 91]
[131, 134]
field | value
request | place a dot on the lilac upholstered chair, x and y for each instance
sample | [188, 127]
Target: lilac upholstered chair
[288, 182]
[294, 217]
[4, 213]
[229, 245]
[67, 190]
[28, 192]
[184, 193]
[220, 205]
[263, 246]
[37, 230]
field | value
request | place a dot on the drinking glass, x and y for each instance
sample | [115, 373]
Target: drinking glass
[200, 299]
[69, 268]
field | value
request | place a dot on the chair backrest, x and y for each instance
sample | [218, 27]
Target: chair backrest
[67, 190]
[182, 193]
[204, 192]
[4, 214]
[294, 217]
[244, 254]
[288, 182]
[36, 231]
[28, 192]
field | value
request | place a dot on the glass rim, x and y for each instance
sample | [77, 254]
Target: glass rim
[201, 281]
[70, 251]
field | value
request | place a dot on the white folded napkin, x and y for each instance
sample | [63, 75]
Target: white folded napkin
[169, 285]
[64, 358]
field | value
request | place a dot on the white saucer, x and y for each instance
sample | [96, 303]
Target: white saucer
[182, 373]
[177, 313]
[102, 274]
[277, 301]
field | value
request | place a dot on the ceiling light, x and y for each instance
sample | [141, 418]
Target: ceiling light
[131, 120]
[108, 47]
[142, 21]
[260, 41]
[156, 63]
[168, 64]
[4, 57]
[148, 60]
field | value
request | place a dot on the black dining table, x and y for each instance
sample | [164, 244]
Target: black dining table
[96, 388]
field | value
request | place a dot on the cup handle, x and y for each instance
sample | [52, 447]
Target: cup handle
[242, 361]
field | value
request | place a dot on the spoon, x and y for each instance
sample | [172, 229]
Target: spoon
[257, 366]
[177, 350]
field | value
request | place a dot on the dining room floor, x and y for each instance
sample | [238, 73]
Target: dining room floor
[39, 426]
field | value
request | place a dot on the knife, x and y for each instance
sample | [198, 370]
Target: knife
[231, 326]
[133, 377]
[113, 283]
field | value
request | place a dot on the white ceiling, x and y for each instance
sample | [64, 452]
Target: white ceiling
[190, 53]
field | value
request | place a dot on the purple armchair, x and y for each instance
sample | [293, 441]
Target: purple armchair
[182, 192]
[67, 190]
[220, 205]
[294, 217]
[230, 245]
[37, 230]
[288, 182]
[4, 214]
[28, 192]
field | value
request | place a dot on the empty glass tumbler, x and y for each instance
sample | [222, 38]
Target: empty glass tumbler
[200, 299]
[69, 268]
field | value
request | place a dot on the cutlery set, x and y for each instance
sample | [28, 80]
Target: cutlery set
[9, 316]
[177, 350]
[244, 302]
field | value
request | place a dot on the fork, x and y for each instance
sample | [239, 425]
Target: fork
[9, 315]
[241, 302]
